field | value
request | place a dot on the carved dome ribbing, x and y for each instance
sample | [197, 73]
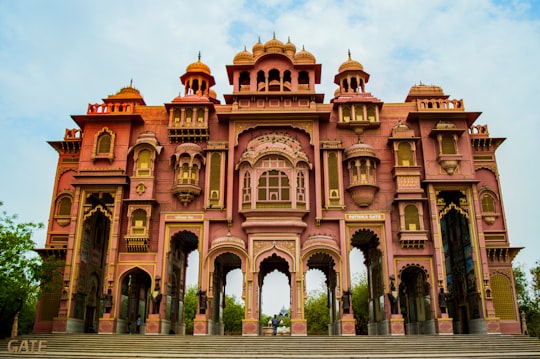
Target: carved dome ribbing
[198, 67]
[351, 64]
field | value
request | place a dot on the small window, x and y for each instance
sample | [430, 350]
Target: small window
[412, 219]
[448, 145]
[143, 163]
[64, 207]
[488, 204]
[345, 114]
[405, 155]
[138, 222]
[104, 144]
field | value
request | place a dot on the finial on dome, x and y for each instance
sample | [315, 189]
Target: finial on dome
[259, 39]
[349, 52]
[274, 35]
[199, 57]
[245, 48]
[131, 83]
[288, 39]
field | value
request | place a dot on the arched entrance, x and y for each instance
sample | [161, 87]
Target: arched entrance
[324, 263]
[223, 264]
[463, 299]
[415, 301]
[92, 268]
[267, 266]
[368, 243]
[181, 245]
[134, 298]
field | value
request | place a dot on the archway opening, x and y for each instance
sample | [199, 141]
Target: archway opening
[134, 300]
[415, 301]
[463, 299]
[360, 292]
[226, 316]
[183, 269]
[275, 290]
[367, 242]
[320, 307]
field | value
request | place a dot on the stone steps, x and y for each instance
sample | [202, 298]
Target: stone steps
[124, 346]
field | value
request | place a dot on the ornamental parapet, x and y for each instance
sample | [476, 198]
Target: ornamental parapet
[137, 244]
[437, 104]
[110, 108]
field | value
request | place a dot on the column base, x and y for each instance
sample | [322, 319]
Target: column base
[107, 324]
[347, 325]
[200, 325]
[397, 324]
[153, 324]
[298, 327]
[445, 325]
[250, 327]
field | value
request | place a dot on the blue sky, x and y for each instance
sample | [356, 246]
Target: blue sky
[57, 56]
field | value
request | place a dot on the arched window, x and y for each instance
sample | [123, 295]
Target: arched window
[346, 114]
[488, 204]
[261, 81]
[448, 145]
[200, 115]
[138, 221]
[244, 81]
[274, 186]
[144, 163]
[412, 219]
[184, 174]
[189, 115]
[300, 188]
[246, 190]
[64, 206]
[405, 155]
[104, 144]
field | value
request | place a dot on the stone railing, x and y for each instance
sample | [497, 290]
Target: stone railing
[440, 105]
[110, 108]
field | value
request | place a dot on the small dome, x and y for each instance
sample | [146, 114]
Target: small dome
[212, 93]
[198, 67]
[351, 64]
[274, 45]
[337, 92]
[360, 150]
[304, 57]
[258, 48]
[289, 47]
[243, 57]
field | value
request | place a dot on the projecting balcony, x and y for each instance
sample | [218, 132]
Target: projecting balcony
[137, 244]
[363, 193]
[186, 193]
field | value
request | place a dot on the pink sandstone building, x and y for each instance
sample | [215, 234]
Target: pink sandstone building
[271, 179]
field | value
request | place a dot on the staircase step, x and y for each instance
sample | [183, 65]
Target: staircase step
[124, 346]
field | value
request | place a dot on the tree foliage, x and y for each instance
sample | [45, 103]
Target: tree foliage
[233, 313]
[190, 307]
[529, 298]
[360, 304]
[22, 272]
[317, 313]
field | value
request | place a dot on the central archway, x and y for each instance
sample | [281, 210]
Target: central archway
[270, 264]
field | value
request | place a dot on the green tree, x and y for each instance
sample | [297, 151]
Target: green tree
[360, 303]
[317, 313]
[233, 313]
[190, 307]
[529, 302]
[22, 272]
